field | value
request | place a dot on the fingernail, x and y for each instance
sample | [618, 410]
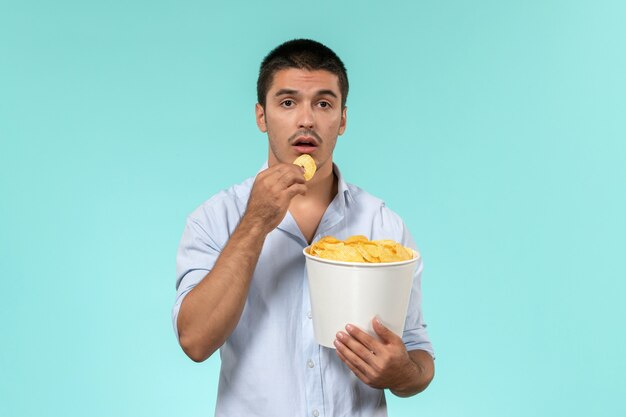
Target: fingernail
[336, 343]
[339, 335]
[349, 328]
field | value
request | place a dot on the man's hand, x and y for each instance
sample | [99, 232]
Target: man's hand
[271, 194]
[384, 363]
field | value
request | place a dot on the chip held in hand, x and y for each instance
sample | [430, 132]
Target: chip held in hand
[306, 162]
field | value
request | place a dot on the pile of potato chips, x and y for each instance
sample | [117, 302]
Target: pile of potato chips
[360, 249]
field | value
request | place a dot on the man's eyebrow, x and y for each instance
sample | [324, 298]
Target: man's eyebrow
[290, 92]
[327, 93]
[285, 91]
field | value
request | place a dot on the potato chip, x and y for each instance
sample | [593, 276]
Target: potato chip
[373, 249]
[329, 239]
[356, 238]
[306, 162]
[385, 242]
[349, 253]
[359, 248]
[366, 254]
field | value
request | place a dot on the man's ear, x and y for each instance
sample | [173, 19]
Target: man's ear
[342, 125]
[260, 118]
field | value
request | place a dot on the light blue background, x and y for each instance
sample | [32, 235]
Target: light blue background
[496, 129]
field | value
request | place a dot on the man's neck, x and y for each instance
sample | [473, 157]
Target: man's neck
[308, 210]
[321, 190]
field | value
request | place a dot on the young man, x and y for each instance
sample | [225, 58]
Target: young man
[241, 284]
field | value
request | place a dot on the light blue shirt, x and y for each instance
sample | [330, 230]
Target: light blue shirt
[271, 364]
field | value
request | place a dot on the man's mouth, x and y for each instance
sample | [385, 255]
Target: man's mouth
[305, 141]
[305, 144]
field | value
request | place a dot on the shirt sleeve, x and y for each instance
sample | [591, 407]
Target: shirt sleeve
[415, 335]
[197, 254]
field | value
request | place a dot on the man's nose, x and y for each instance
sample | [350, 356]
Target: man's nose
[306, 119]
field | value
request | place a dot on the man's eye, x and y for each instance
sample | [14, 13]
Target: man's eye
[287, 103]
[324, 104]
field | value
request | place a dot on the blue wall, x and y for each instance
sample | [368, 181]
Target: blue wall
[496, 129]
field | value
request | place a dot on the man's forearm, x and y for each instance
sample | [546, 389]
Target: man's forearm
[418, 375]
[211, 310]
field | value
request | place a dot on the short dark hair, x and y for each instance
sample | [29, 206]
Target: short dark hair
[303, 54]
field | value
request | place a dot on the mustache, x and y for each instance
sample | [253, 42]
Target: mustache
[305, 132]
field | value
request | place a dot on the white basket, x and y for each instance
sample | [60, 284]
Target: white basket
[355, 293]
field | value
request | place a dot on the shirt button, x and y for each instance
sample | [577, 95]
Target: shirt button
[316, 413]
[310, 363]
[309, 315]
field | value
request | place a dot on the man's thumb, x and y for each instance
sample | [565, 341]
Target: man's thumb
[382, 331]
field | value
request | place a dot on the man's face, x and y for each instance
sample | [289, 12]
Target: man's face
[302, 114]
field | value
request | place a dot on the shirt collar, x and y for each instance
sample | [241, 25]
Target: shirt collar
[342, 186]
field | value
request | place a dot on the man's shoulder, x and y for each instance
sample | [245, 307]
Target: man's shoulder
[228, 204]
[364, 198]
[385, 222]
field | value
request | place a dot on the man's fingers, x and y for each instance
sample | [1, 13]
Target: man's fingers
[273, 190]
[281, 169]
[280, 180]
[296, 189]
[293, 181]
[291, 175]
[384, 333]
[290, 178]
[354, 362]
[370, 343]
[365, 352]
